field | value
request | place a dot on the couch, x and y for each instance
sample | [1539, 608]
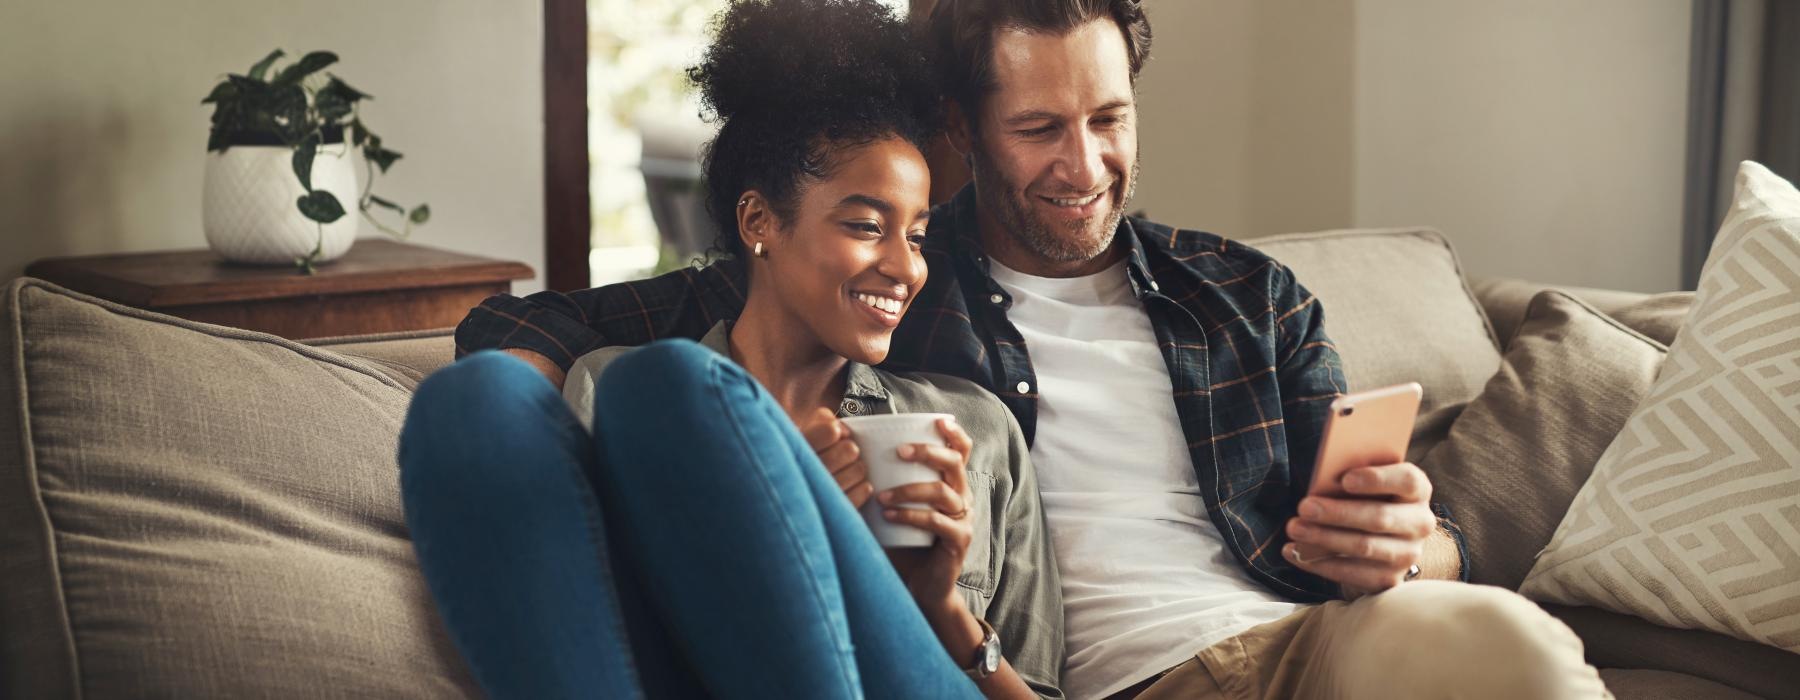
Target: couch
[196, 511]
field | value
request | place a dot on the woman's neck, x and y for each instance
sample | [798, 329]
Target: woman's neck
[797, 370]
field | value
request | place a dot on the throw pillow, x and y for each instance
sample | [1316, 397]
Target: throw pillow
[1692, 517]
[1522, 448]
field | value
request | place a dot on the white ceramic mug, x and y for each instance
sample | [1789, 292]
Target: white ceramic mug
[879, 438]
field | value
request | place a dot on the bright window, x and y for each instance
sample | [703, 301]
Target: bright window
[638, 53]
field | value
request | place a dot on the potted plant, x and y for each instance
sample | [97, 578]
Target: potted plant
[279, 169]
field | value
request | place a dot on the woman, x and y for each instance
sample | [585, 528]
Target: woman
[698, 541]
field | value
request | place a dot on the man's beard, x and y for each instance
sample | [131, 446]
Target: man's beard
[1075, 241]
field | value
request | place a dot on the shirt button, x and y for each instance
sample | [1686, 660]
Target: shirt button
[997, 298]
[851, 406]
[1024, 387]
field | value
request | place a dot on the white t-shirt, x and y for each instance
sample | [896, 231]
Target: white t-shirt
[1146, 578]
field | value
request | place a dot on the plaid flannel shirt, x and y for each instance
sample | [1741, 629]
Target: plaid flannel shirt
[1252, 369]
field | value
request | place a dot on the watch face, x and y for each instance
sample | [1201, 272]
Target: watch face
[990, 660]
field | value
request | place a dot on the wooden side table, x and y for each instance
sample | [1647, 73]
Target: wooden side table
[379, 286]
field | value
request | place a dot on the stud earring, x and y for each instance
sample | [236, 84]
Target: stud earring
[743, 201]
[758, 250]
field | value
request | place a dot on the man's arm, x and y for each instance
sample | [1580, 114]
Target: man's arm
[542, 364]
[549, 330]
[1365, 543]
[1443, 558]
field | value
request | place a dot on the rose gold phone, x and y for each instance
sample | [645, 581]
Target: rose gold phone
[1365, 429]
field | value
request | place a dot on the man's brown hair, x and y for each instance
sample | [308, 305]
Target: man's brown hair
[961, 33]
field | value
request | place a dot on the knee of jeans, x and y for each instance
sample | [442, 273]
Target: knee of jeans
[675, 375]
[462, 410]
[487, 375]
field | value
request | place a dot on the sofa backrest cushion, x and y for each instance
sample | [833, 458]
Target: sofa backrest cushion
[1399, 311]
[195, 511]
[407, 357]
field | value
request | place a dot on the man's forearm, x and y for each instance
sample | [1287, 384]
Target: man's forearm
[1440, 560]
[549, 369]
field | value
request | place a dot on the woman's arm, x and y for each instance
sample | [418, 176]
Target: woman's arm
[1027, 608]
[931, 574]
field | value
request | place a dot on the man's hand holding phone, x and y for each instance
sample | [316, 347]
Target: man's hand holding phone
[1367, 519]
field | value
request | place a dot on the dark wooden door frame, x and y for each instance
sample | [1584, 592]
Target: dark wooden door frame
[567, 218]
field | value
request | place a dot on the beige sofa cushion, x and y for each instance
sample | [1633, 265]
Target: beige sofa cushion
[193, 511]
[1522, 449]
[1398, 310]
[1692, 516]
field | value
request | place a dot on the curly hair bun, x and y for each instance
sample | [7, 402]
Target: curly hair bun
[782, 58]
[797, 83]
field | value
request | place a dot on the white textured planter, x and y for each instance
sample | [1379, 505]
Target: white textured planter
[248, 205]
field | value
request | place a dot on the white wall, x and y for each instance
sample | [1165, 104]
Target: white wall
[1194, 116]
[1545, 138]
[103, 137]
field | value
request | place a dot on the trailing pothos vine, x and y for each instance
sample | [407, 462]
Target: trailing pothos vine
[307, 110]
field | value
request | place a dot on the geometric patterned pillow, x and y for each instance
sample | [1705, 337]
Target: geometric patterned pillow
[1692, 516]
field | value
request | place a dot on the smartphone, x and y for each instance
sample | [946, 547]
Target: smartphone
[1364, 429]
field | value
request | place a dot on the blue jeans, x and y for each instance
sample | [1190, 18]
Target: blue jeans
[693, 545]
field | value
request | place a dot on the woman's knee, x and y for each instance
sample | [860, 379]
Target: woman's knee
[478, 411]
[487, 375]
[670, 378]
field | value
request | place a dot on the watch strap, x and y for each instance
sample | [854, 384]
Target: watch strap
[978, 668]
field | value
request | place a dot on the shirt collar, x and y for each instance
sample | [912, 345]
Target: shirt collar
[861, 381]
[966, 236]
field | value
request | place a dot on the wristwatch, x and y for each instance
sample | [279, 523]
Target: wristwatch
[987, 656]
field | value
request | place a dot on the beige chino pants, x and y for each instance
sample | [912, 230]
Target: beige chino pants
[1424, 639]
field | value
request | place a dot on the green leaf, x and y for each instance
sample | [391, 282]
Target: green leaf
[383, 158]
[262, 67]
[224, 91]
[303, 159]
[350, 94]
[218, 140]
[320, 206]
[336, 100]
[307, 65]
[287, 106]
[331, 107]
[251, 93]
[377, 201]
[420, 214]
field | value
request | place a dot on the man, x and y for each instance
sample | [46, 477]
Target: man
[1174, 386]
